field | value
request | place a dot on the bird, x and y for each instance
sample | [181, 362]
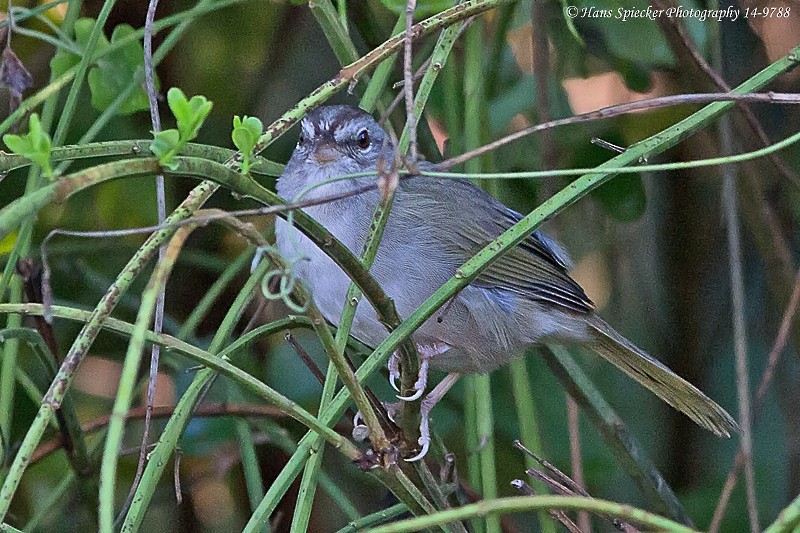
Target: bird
[525, 298]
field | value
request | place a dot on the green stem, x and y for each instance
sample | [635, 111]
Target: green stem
[528, 420]
[486, 450]
[381, 76]
[127, 382]
[438, 60]
[336, 34]
[519, 504]
[383, 515]
[247, 449]
[170, 343]
[787, 520]
[481, 406]
[258, 165]
[472, 440]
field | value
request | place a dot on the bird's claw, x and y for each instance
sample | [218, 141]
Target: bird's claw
[424, 413]
[420, 384]
[424, 431]
[394, 371]
[391, 410]
[360, 430]
[426, 444]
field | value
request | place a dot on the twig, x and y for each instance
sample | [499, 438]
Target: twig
[303, 354]
[575, 455]
[401, 95]
[541, 70]
[565, 485]
[408, 86]
[731, 213]
[161, 210]
[177, 476]
[740, 335]
[622, 109]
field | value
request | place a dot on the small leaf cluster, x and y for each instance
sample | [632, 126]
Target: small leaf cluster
[113, 72]
[34, 145]
[189, 116]
[245, 135]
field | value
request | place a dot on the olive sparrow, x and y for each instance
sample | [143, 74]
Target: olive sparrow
[526, 297]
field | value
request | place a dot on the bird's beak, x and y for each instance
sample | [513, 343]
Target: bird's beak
[326, 153]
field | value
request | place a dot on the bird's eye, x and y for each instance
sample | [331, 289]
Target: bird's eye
[363, 139]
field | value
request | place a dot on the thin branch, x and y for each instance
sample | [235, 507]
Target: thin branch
[629, 107]
[303, 354]
[731, 213]
[161, 210]
[408, 85]
[573, 423]
[740, 335]
[541, 70]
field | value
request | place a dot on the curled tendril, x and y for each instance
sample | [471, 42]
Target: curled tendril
[286, 284]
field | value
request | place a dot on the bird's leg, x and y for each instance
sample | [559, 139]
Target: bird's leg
[430, 400]
[426, 352]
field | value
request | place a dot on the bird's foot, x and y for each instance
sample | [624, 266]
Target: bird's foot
[426, 353]
[424, 412]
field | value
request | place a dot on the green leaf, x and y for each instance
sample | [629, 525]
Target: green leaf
[8, 242]
[34, 145]
[116, 71]
[62, 62]
[166, 144]
[425, 8]
[245, 135]
[189, 114]
[83, 30]
[113, 73]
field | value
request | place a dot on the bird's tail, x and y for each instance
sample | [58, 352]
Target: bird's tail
[658, 378]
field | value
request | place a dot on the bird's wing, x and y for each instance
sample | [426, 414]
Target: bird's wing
[469, 218]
